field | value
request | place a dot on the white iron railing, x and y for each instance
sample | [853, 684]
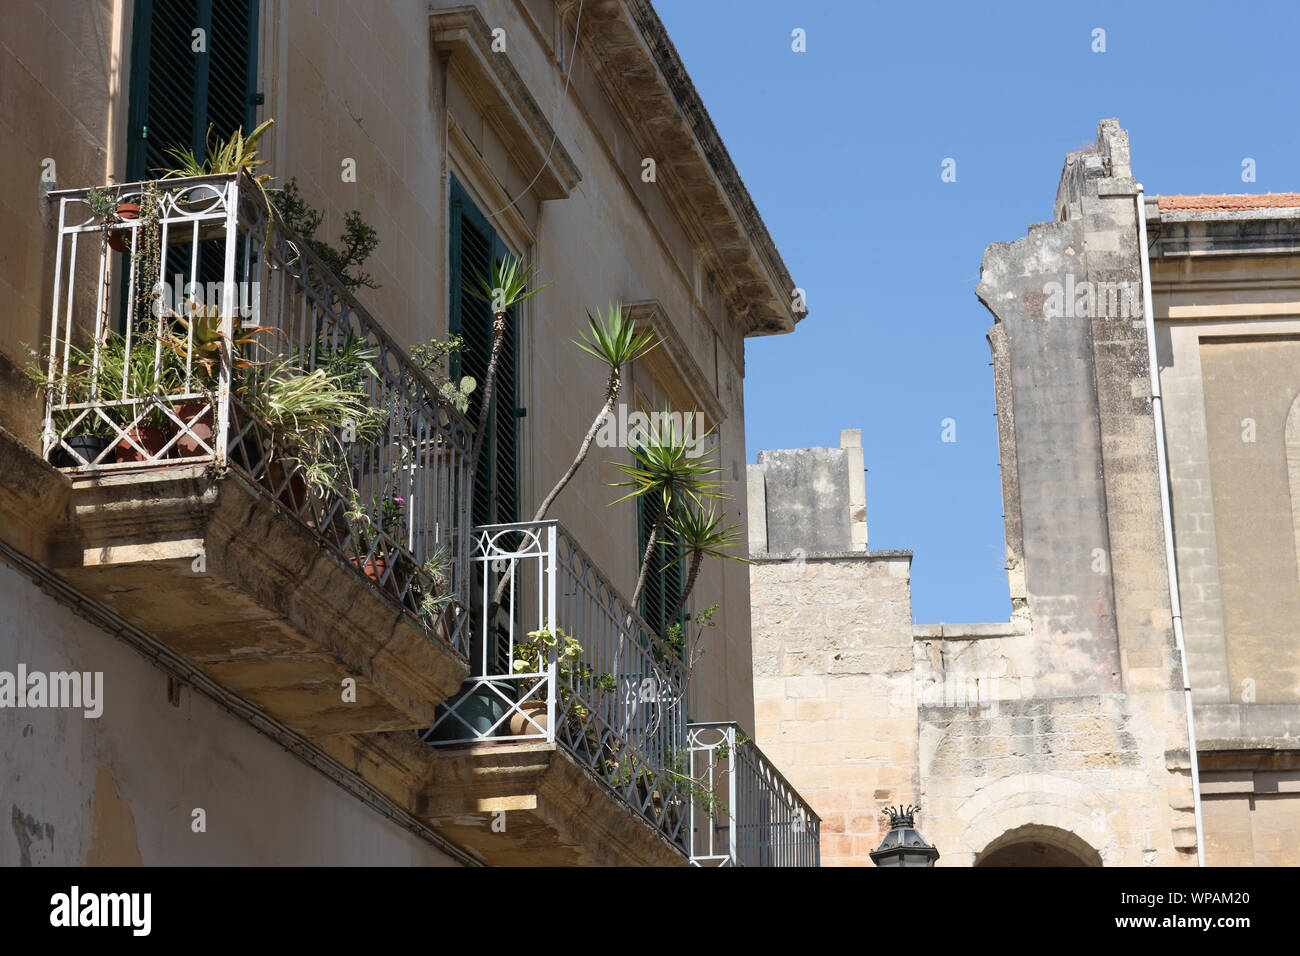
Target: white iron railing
[614, 701]
[744, 812]
[130, 387]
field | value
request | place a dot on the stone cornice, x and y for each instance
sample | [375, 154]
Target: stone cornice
[1219, 232]
[672, 362]
[492, 81]
[637, 65]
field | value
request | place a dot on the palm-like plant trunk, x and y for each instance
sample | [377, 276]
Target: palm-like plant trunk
[489, 383]
[649, 556]
[696, 558]
[612, 388]
[611, 396]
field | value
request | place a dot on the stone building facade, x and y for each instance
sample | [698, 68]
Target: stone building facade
[1065, 734]
[221, 677]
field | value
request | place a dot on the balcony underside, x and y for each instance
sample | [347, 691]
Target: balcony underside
[266, 611]
[556, 812]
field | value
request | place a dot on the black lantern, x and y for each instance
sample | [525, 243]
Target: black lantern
[903, 845]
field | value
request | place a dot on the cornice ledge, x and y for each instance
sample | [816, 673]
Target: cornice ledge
[634, 59]
[673, 351]
[491, 79]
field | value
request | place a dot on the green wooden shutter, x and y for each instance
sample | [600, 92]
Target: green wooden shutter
[474, 247]
[663, 589]
[175, 92]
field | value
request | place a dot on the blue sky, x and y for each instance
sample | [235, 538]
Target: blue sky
[841, 147]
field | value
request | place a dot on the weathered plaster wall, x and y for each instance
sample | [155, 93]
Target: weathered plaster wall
[121, 789]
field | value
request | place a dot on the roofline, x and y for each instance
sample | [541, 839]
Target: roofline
[756, 283]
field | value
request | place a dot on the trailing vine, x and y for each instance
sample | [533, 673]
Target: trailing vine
[148, 254]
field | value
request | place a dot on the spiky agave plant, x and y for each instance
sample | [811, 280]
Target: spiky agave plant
[668, 465]
[505, 288]
[615, 340]
[236, 154]
[699, 533]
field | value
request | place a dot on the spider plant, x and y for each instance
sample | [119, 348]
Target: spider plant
[308, 412]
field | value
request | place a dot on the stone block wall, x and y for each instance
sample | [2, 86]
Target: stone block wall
[833, 687]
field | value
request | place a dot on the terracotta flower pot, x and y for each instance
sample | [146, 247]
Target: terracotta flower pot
[120, 239]
[148, 437]
[534, 708]
[375, 569]
[201, 428]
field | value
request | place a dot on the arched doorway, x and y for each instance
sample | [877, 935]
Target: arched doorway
[1035, 845]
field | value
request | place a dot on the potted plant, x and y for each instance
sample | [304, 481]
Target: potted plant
[386, 514]
[108, 209]
[141, 375]
[234, 155]
[84, 432]
[432, 595]
[308, 413]
[532, 657]
[194, 335]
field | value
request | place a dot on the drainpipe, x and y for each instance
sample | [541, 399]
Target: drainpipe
[1162, 462]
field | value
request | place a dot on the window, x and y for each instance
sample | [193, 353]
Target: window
[663, 588]
[181, 82]
[474, 248]
[177, 91]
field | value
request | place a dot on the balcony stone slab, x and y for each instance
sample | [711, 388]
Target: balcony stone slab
[207, 564]
[556, 812]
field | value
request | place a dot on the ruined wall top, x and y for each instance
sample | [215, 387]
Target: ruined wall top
[809, 500]
[1107, 158]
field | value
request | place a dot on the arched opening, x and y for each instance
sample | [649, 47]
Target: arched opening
[1034, 845]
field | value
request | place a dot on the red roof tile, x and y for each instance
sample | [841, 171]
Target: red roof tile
[1228, 202]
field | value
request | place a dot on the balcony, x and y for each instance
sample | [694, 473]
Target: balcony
[755, 817]
[575, 714]
[510, 695]
[196, 513]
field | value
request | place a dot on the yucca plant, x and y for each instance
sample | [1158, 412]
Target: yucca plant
[667, 464]
[505, 288]
[615, 340]
[699, 533]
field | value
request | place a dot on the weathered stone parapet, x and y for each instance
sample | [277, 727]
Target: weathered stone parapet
[809, 500]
